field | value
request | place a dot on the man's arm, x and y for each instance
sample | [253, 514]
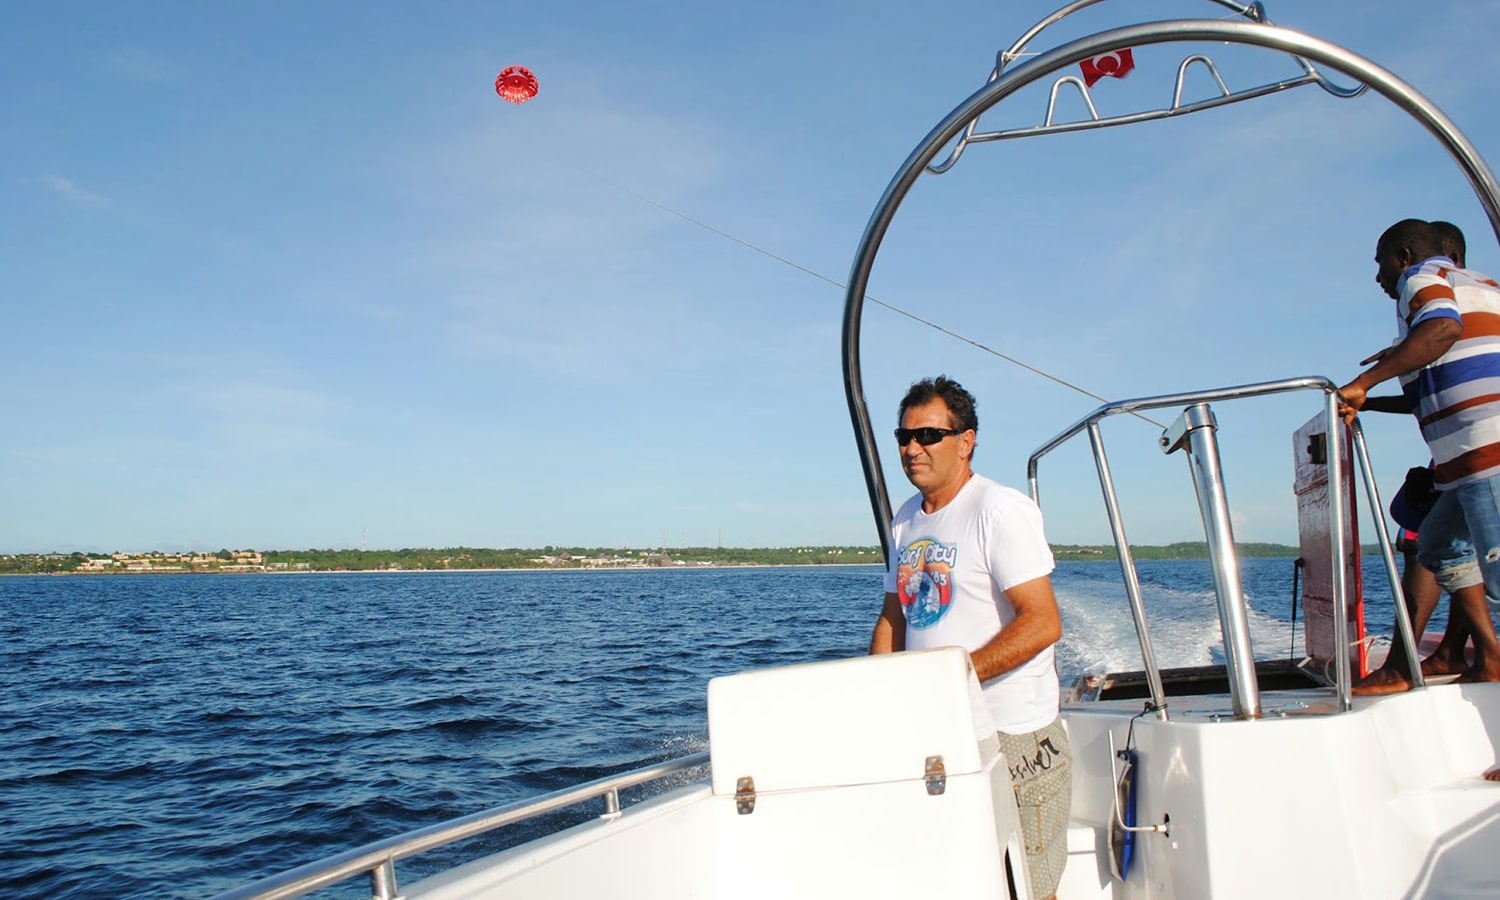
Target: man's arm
[1037, 626]
[890, 628]
[1387, 403]
[1425, 343]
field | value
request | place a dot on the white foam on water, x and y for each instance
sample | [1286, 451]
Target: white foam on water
[1099, 632]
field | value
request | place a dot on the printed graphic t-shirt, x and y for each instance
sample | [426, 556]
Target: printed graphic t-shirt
[951, 569]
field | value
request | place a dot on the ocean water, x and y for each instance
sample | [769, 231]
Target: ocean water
[176, 736]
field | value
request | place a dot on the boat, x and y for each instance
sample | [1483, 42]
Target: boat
[876, 776]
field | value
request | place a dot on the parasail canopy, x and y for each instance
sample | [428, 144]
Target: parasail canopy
[516, 84]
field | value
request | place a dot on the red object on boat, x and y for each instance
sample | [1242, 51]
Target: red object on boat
[1110, 65]
[516, 84]
[1321, 633]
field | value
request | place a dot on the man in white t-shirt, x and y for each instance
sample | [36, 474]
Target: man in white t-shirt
[971, 568]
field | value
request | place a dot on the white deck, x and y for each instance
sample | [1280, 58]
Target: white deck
[1383, 801]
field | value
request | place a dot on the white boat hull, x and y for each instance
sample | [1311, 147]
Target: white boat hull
[1386, 800]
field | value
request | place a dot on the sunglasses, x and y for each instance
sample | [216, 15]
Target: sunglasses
[925, 436]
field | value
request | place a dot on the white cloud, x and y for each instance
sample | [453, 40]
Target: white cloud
[71, 192]
[140, 65]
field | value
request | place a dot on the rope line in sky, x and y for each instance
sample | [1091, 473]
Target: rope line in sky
[892, 307]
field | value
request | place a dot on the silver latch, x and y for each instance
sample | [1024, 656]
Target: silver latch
[937, 776]
[744, 795]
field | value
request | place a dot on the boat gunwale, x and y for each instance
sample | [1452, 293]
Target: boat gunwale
[377, 858]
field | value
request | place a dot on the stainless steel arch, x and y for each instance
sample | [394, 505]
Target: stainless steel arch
[1253, 34]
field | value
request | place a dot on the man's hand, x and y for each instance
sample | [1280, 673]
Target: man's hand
[1351, 400]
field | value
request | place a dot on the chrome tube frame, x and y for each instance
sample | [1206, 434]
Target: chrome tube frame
[1005, 83]
[378, 859]
[1338, 583]
[1403, 615]
[1127, 569]
[1165, 401]
[1195, 433]
[1240, 661]
[1253, 12]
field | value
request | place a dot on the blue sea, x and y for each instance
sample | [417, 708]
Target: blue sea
[176, 736]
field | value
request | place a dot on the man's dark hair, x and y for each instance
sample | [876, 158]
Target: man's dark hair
[1417, 237]
[959, 401]
[1451, 237]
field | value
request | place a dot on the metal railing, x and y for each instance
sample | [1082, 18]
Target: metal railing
[1254, 31]
[1253, 12]
[1194, 434]
[378, 859]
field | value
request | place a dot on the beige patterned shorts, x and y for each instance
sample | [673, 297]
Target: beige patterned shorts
[1041, 770]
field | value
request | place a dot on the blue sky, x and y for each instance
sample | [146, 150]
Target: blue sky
[287, 275]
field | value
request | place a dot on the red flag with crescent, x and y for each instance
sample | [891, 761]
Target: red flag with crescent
[1110, 65]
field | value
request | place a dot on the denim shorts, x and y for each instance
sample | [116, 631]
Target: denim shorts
[1443, 544]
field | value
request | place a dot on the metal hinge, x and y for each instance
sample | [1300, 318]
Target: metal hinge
[937, 776]
[744, 795]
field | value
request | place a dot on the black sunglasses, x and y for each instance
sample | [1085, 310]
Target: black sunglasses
[925, 436]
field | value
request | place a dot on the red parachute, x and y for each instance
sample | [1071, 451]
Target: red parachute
[516, 84]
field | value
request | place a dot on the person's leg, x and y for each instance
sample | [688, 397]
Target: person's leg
[1472, 609]
[1444, 546]
[1451, 655]
[1481, 511]
[1420, 586]
[1463, 583]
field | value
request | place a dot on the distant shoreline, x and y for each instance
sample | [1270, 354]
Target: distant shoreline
[534, 569]
[594, 560]
[548, 559]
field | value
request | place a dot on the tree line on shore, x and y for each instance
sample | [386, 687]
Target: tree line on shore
[464, 558]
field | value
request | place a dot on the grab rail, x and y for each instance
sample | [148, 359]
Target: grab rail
[378, 859]
[1248, 692]
[1253, 12]
[1208, 482]
[1403, 615]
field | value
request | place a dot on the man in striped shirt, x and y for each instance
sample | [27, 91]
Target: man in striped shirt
[1448, 360]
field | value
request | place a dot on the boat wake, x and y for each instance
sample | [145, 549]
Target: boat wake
[1099, 634]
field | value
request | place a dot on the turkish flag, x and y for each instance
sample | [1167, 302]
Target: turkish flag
[1110, 65]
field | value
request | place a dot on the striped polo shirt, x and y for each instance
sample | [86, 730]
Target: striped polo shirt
[1457, 396]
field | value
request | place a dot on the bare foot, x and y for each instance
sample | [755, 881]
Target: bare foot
[1492, 774]
[1381, 681]
[1442, 664]
[1476, 675]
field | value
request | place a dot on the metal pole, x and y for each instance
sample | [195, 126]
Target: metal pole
[1337, 557]
[1194, 432]
[1127, 570]
[1377, 512]
[383, 881]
